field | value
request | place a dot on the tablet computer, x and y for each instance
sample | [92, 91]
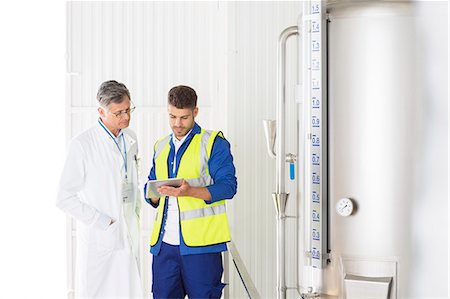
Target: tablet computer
[154, 184]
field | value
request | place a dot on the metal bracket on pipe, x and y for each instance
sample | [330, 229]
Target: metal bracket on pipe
[291, 158]
[280, 200]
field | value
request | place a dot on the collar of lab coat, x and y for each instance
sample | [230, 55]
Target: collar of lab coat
[108, 132]
[129, 140]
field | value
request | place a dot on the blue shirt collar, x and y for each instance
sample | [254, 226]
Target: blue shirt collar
[196, 129]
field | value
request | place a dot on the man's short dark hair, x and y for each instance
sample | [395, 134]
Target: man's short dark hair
[182, 97]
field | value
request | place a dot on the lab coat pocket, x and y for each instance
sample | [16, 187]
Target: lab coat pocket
[109, 239]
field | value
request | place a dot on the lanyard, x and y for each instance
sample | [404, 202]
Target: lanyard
[124, 155]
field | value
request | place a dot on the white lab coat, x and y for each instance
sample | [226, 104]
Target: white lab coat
[107, 261]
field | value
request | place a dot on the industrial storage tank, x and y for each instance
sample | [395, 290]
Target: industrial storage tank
[377, 154]
[372, 127]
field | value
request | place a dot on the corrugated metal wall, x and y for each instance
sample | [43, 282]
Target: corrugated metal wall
[227, 52]
[252, 98]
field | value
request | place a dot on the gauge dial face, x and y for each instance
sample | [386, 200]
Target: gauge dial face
[344, 207]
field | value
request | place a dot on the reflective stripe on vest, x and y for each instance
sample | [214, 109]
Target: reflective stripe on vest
[204, 157]
[201, 224]
[160, 145]
[206, 211]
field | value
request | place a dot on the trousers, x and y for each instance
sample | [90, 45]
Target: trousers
[197, 275]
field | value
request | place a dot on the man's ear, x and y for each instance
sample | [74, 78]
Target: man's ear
[195, 111]
[101, 111]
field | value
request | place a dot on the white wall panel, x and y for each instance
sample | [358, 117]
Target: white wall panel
[254, 28]
[149, 45]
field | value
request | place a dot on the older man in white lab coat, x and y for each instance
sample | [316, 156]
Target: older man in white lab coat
[99, 188]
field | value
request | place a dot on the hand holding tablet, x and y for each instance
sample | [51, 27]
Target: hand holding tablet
[153, 185]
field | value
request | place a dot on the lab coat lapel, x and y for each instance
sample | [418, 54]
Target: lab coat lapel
[110, 146]
[129, 141]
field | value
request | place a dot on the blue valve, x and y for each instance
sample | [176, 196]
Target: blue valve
[290, 158]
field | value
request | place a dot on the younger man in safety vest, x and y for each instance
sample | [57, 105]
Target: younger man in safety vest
[191, 226]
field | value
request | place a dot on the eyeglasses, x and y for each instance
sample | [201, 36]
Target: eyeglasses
[121, 114]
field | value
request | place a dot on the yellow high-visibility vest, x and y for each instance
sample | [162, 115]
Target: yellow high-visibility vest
[201, 224]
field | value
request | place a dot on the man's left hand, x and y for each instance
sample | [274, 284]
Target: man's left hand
[183, 190]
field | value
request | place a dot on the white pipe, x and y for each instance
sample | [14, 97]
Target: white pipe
[281, 196]
[281, 106]
[282, 256]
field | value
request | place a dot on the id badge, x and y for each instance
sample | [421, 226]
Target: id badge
[127, 192]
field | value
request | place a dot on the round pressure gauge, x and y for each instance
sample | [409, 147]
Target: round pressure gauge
[344, 207]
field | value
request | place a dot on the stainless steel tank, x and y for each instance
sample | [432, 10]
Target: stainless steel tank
[376, 99]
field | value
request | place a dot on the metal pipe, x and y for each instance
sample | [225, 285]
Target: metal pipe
[281, 105]
[280, 197]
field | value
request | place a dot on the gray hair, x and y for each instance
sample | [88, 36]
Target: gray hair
[111, 92]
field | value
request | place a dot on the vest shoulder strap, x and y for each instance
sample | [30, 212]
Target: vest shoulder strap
[160, 144]
[212, 136]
